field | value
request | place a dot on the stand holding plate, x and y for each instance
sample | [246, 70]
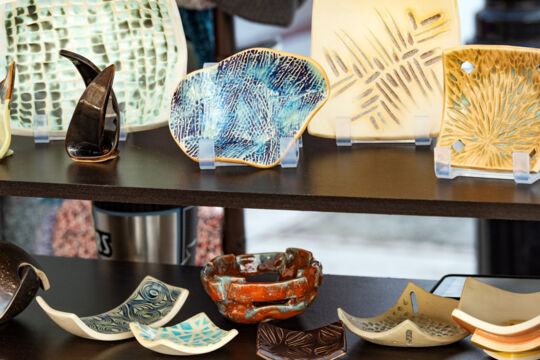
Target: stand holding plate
[289, 150]
[421, 133]
[521, 170]
[42, 134]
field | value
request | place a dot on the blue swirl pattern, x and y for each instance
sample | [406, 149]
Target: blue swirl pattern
[247, 103]
[149, 303]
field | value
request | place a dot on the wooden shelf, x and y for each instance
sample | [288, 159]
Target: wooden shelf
[91, 287]
[364, 179]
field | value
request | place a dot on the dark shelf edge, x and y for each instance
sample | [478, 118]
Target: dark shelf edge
[273, 201]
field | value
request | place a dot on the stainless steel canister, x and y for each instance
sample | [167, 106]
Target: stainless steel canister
[145, 233]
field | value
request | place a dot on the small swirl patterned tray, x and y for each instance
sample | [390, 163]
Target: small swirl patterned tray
[153, 303]
[418, 319]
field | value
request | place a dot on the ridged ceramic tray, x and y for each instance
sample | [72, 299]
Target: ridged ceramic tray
[500, 320]
[246, 103]
[491, 107]
[326, 343]
[197, 335]
[383, 59]
[144, 39]
[153, 303]
[401, 325]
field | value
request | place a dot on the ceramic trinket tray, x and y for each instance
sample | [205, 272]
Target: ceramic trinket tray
[20, 278]
[6, 94]
[115, 32]
[94, 129]
[529, 355]
[524, 342]
[500, 320]
[153, 303]
[326, 343]
[383, 59]
[418, 319]
[197, 335]
[491, 107]
[299, 276]
[246, 104]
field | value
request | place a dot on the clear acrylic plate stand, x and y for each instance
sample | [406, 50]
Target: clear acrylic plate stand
[42, 133]
[521, 173]
[421, 131]
[289, 151]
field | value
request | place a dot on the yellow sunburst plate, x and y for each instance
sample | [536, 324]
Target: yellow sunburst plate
[383, 59]
[491, 107]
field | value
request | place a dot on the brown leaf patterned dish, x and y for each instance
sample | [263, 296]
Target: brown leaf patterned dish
[326, 343]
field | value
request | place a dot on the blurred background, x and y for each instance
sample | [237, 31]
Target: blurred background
[349, 244]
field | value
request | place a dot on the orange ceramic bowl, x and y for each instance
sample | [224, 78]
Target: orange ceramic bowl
[299, 276]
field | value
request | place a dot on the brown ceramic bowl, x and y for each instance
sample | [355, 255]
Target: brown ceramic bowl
[299, 276]
[20, 278]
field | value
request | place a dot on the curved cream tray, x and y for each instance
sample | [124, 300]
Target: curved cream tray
[162, 303]
[500, 320]
[530, 355]
[197, 335]
[401, 326]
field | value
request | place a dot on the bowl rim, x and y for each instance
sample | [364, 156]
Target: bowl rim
[233, 287]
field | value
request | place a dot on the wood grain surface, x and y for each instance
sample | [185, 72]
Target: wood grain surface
[364, 179]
